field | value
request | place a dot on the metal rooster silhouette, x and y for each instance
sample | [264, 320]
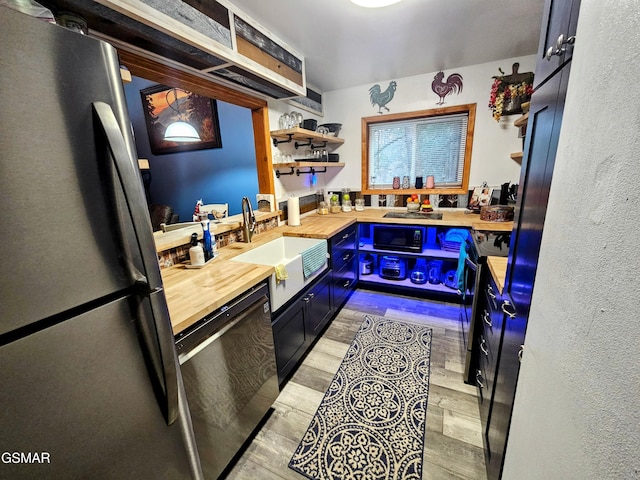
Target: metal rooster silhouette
[442, 89]
[380, 98]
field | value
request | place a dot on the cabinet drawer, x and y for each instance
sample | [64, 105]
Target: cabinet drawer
[340, 257]
[492, 317]
[345, 239]
[484, 382]
[342, 282]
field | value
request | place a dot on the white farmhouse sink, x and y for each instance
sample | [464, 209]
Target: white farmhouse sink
[286, 251]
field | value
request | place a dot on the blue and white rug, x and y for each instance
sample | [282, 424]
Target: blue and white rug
[371, 422]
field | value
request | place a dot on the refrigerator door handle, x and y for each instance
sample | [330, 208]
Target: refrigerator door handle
[133, 193]
[151, 279]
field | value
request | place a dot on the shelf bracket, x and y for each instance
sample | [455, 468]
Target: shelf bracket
[277, 142]
[312, 171]
[278, 174]
[324, 144]
[308, 144]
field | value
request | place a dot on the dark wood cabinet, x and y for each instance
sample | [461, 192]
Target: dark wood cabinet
[343, 264]
[488, 334]
[289, 338]
[555, 48]
[541, 143]
[295, 329]
[318, 309]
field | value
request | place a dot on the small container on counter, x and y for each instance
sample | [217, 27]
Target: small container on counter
[196, 253]
[334, 206]
[209, 244]
[323, 208]
[359, 204]
[346, 205]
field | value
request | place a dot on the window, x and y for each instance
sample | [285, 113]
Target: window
[417, 144]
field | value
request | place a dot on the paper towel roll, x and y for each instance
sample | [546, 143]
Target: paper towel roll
[293, 209]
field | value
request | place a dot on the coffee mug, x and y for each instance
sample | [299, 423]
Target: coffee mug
[419, 181]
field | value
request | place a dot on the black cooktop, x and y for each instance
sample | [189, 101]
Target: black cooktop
[418, 215]
[491, 243]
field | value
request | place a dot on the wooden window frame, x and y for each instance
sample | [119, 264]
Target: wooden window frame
[469, 108]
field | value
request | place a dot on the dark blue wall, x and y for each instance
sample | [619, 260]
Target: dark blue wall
[219, 175]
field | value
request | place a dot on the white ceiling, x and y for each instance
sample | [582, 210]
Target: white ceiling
[345, 45]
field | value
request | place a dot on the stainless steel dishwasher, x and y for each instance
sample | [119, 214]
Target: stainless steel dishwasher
[229, 369]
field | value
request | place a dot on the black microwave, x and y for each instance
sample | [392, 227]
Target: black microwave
[403, 238]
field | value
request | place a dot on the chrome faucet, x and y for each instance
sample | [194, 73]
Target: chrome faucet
[248, 219]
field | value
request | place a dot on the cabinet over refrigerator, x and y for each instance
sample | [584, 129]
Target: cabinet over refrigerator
[89, 371]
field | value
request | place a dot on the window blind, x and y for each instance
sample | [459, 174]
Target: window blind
[418, 148]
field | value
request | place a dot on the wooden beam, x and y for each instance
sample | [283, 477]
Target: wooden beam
[262, 140]
[174, 77]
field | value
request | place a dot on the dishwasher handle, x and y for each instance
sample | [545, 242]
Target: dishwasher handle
[186, 356]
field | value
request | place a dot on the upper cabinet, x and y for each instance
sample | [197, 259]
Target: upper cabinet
[560, 18]
[211, 37]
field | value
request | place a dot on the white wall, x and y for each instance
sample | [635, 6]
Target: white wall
[493, 141]
[577, 407]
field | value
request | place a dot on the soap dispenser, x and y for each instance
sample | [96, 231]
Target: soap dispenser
[196, 253]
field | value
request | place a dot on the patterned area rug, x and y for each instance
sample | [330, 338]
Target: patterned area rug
[371, 422]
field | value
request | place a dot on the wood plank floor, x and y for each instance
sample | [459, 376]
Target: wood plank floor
[453, 442]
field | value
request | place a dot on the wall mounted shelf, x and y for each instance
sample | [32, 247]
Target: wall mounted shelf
[304, 135]
[312, 166]
[521, 123]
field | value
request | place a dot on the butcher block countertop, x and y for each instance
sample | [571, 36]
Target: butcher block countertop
[498, 269]
[194, 293]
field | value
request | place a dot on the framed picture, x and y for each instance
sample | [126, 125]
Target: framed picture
[480, 197]
[164, 105]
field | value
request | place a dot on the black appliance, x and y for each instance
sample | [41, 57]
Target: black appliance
[398, 237]
[393, 268]
[229, 368]
[479, 246]
[89, 368]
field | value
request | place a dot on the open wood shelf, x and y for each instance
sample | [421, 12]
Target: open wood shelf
[522, 121]
[308, 164]
[517, 156]
[298, 133]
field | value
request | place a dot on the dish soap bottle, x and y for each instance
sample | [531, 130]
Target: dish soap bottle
[196, 253]
[208, 247]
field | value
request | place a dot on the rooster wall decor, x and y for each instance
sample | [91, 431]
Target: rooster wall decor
[442, 89]
[380, 98]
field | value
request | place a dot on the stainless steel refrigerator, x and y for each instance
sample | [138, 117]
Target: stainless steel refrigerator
[90, 386]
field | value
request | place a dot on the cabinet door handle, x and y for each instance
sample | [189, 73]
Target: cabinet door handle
[311, 295]
[490, 292]
[347, 283]
[560, 47]
[306, 299]
[505, 304]
[520, 353]
[483, 346]
[479, 378]
[346, 257]
[487, 318]
[345, 236]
